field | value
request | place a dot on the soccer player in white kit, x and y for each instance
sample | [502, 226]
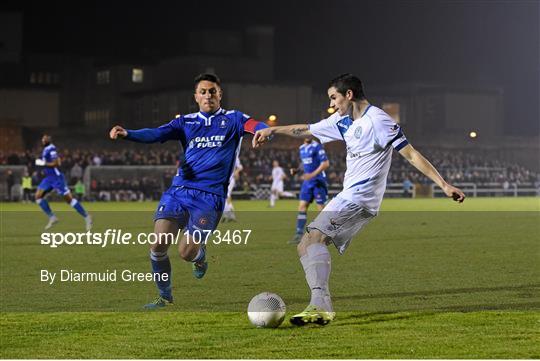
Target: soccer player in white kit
[276, 190]
[228, 211]
[370, 135]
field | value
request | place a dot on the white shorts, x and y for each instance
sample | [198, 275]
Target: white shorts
[341, 220]
[232, 184]
[277, 186]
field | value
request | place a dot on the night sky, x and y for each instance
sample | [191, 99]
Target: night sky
[479, 43]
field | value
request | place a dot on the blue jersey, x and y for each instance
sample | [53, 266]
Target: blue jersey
[49, 154]
[211, 143]
[312, 155]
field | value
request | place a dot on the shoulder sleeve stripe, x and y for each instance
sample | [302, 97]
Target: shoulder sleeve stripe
[398, 135]
[401, 145]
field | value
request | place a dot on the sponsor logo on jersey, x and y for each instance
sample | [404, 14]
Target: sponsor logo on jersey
[207, 142]
[352, 154]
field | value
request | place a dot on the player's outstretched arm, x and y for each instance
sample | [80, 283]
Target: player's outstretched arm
[423, 165]
[295, 130]
[147, 135]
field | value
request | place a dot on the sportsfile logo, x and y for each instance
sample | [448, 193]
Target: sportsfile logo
[207, 142]
[112, 237]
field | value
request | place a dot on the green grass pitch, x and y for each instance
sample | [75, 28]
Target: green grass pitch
[427, 278]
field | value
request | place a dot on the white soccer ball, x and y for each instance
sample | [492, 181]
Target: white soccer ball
[266, 310]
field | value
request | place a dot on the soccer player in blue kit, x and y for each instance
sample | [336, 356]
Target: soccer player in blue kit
[54, 179]
[314, 186]
[211, 140]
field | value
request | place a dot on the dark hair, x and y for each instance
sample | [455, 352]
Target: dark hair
[346, 82]
[207, 76]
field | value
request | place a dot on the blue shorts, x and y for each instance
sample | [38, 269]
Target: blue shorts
[314, 190]
[56, 182]
[192, 208]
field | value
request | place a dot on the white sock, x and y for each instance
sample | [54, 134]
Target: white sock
[316, 263]
[227, 207]
[272, 200]
[287, 194]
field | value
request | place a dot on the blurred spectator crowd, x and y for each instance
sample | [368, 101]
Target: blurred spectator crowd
[455, 165]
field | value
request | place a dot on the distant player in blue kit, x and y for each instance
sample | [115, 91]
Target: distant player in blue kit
[211, 141]
[314, 186]
[54, 179]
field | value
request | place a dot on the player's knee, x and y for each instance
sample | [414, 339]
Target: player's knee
[187, 253]
[314, 236]
[159, 247]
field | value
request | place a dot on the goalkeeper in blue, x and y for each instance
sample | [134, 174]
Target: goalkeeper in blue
[54, 179]
[211, 140]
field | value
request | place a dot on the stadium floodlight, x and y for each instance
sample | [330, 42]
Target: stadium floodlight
[331, 110]
[272, 118]
[473, 134]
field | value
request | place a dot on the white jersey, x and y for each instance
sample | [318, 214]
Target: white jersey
[277, 179]
[277, 174]
[369, 141]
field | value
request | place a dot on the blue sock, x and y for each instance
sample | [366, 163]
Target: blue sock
[201, 255]
[301, 220]
[42, 202]
[162, 265]
[78, 207]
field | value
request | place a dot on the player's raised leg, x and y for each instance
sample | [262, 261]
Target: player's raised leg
[73, 202]
[204, 210]
[44, 205]
[161, 265]
[193, 249]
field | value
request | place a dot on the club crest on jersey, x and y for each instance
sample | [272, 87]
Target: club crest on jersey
[358, 132]
[223, 123]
